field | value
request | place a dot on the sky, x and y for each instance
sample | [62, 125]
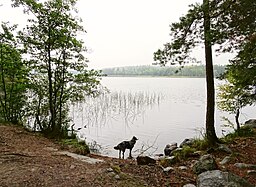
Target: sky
[122, 32]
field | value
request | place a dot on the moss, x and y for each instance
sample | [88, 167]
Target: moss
[116, 169]
[80, 147]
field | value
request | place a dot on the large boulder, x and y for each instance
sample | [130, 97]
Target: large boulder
[169, 148]
[205, 163]
[145, 160]
[250, 123]
[217, 178]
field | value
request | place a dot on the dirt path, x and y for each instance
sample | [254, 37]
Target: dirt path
[28, 159]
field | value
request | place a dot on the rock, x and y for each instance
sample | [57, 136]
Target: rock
[225, 160]
[169, 148]
[217, 178]
[189, 185]
[145, 160]
[159, 155]
[250, 123]
[167, 169]
[187, 142]
[224, 148]
[110, 170]
[183, 167]
[72, 166]
[251, 173]
[205, 163]
[117, 177]
[243, 165]
[112, 173]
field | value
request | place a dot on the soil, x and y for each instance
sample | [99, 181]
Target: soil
[29, 159]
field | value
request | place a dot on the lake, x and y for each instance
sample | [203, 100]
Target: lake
[156, 110]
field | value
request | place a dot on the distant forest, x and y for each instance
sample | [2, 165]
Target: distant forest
[172, 71]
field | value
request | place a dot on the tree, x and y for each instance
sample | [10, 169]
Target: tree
[228, 23]
[55, 55]
[232, 99]
[13, 76]
[193, 29]
[240, 75]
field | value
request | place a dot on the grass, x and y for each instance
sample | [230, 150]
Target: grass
[242, 132]
[80, 147]
[184, 153]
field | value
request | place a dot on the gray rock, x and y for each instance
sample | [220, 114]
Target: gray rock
[205, 163]
[189, 185]
[117, 177]
[81, 157]
[250, 123]
[225, 160]
[112, 173]
[251, 173]
[224, 148]
[167, 169]
[187, 142]
[169, 148]
[183, 167]
[145, 160]
[217, 178]
[243, 165]
[110, 170]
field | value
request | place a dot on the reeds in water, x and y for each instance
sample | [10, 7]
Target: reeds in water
[115, 105]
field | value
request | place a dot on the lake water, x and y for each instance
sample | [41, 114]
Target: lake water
[157, 111]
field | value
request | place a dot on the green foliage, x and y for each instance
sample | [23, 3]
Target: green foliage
[116, 169]
[58, 74]
[80, 147]
[242, 132]
[166, 162]
[200, 144]
[13, 77]
[240, 88]
[184, 153]
[228, 23]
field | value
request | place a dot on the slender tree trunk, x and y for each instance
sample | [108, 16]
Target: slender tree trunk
[52, 119]
[237, 119]
[210, 130]
[4, 104]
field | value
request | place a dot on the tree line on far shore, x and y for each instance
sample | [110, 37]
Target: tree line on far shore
[169, 71]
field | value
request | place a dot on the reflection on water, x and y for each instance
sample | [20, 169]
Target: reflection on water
[156, 110]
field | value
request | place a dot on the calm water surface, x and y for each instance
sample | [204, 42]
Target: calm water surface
[157, 111]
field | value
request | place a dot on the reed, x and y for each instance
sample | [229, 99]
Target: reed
[108, 106]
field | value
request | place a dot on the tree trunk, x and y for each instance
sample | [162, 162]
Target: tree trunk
[210, 130]
[49, 69]
[237, 119]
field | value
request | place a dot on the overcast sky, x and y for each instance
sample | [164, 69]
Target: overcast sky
[121, 32]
